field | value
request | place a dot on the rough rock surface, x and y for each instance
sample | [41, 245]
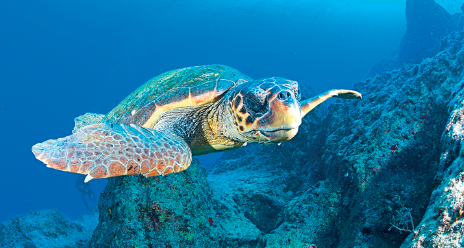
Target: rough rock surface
[386, 171]
[173, 210]
[347, 180]
[48, 228]
[388, 147]
[443, 223]
[427, 24]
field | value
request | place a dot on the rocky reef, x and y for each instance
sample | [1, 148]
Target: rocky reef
[173, 210]
[388, 148]
[362, 176]
[386, 171]
[48, 229]
[427, 23]
[381, 172]
[442, 225]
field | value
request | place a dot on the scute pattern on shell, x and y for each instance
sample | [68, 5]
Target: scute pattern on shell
[177, 88]
[109, 150]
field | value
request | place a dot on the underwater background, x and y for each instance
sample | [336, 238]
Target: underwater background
[62, 59]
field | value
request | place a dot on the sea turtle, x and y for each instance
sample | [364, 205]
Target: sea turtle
[179, 114]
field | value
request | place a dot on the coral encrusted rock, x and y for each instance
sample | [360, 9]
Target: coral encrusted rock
[427, 24]
[48, 228]
[173, 210]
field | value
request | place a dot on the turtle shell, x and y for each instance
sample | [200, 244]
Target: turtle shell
[190, 86]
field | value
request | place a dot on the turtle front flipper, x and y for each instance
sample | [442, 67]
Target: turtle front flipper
[309, 104]
[109, 150]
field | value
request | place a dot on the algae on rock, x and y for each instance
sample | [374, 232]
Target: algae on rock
[173, 210]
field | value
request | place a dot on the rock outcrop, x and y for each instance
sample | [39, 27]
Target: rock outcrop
[443, 222]
[362, 176]
[427, 24]
[389, 147]
[174, 210]
[48, 228]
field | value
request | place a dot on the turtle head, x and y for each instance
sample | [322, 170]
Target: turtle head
[267, 110]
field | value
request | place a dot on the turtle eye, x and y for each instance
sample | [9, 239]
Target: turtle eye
[254, 107]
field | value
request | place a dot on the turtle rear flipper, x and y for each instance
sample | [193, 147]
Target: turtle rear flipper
[109, 150]
[308, 104]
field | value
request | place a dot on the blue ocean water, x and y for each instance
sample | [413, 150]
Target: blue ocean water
[61, 59]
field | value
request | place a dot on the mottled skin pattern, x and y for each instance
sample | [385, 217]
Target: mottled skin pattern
[185, 112]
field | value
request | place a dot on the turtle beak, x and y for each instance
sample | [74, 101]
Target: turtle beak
[280, 135]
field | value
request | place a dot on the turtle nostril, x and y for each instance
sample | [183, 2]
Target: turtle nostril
[284, 96]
